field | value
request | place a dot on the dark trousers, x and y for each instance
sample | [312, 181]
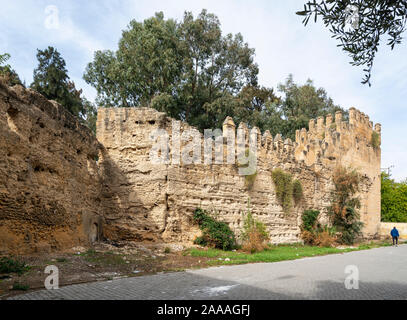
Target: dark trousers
[395, 240]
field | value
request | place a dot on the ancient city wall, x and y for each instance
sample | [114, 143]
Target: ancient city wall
[61, 187]
[155, 202]
[49, 180]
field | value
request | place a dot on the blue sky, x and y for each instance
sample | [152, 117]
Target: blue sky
[283, 45]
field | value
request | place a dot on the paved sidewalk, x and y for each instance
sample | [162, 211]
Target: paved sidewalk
[382, 271]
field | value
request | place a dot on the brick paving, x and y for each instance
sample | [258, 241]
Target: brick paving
[382, 271]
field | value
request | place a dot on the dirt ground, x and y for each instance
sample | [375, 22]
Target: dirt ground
[100, 263]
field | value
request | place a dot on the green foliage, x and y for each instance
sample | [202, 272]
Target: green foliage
[301, 103]
[20, 287]
[4, 57]
[345, 204]
[394, 199]
[375, 141]
[191, 71]
[284, 190]
[287, 190]
[297, 192]
[375, 19]
[252, 225]
[7, 72]
[90, 114]
[167, 250]
[277, 253]
[313, 233]
[52, 81]
[309, 220]
[9, 265]
[249, 179]
[214, 233]
[187, 69]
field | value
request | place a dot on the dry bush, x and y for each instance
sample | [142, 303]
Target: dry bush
[308, 237]
[324, 239]
[254, 234]
[255, 242]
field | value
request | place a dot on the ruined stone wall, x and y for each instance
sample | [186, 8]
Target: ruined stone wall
[49, 179]
[61, 187]
[155, 202]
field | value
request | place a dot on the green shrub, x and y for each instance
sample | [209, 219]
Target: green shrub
[394, 199]
[313, 233]
[375, 140]
[297, 191]
[284, 190]
[249, 179]
[345, 204]
[309, 220]
[20, 287]
[167, 250]
[8, 265]
[214, 233]
[287, 190]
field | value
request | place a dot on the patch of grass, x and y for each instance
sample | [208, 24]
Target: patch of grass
[20, 287]
[274, 254]
[103, 258]
[167, 250]
[9, 265]
[174, 270]
[61, 260]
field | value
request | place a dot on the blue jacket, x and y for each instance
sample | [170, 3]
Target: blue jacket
[394, 233]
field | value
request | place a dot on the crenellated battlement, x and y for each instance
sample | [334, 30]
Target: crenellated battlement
[326, 138]
[177, 188]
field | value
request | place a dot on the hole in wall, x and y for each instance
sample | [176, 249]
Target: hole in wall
[12, 114]
[94, 233]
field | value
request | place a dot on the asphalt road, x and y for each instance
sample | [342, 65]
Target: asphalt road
[382, 275]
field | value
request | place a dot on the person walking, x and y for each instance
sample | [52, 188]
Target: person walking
[395, 235]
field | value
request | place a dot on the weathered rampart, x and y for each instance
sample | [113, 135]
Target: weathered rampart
[156, 202]
[61, 187]
[49, 178]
